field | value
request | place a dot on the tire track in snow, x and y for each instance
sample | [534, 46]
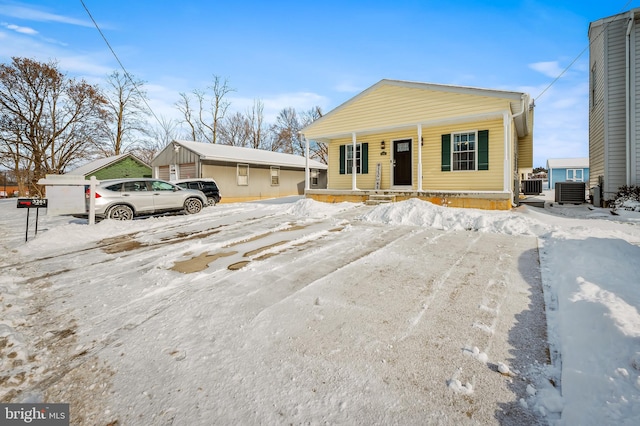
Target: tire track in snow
[336, 259]
[436, 288]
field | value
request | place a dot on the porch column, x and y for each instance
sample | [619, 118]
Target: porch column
[307, 174]
[506, 122]
[419, 157]
[354, 168]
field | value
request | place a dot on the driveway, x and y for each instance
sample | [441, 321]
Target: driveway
[252, 316]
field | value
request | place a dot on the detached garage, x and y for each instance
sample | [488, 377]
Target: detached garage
[242, 174]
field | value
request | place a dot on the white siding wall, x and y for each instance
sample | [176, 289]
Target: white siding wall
[635, 90]
[616, 105]
[596, 105]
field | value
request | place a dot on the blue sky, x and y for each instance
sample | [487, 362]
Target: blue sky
[301, 54]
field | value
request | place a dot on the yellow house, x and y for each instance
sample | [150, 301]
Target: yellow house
[450, 145]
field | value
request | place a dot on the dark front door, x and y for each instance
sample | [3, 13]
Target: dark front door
[402, 162]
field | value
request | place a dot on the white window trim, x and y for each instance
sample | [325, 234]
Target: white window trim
[575, 172]
[475, 151]
[238, 176]
[275, 169]
[348, 170]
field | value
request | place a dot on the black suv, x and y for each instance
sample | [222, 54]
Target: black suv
[206, 185]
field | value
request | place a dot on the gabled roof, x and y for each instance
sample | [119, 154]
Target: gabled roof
[218, 152]
[101, 163]
[630, 14]
[568, 163]
[519, 104]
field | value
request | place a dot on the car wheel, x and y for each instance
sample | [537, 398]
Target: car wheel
[120, 212]
[192, 206]
[211, 202]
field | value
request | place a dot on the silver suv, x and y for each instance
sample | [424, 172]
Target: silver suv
[123, 199]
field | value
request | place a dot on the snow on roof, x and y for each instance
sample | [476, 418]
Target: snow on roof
[210, 151]
[99, 164]
[567, 163]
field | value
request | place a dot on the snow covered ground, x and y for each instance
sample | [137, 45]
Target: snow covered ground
[293, 311]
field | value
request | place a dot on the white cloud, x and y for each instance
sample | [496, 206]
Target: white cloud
[561, 121]
[347, 87]
[300, 101]
[550, 69]
[32, 14]
[19, 29]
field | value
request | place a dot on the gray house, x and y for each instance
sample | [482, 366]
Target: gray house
[614, 107]
[242, 174]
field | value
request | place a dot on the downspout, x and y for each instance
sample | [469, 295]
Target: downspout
[628, 127]
[307, 174]
[354, 168]
[507, 138]
[506, 123]
[419, 157]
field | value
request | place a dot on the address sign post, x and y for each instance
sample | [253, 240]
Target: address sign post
[31, 203]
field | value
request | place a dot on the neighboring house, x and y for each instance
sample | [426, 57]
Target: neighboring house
[242, 174]
[451, 145]
[115, 167]
[567, 170]
[614, 105]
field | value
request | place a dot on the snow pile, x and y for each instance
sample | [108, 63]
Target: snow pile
[422, 213]
[315, 209]
[627, 204]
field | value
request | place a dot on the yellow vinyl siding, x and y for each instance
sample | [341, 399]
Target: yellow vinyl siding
[368, 181]
[434, 178]
[393, 106]
[525, 148]
[480, 180]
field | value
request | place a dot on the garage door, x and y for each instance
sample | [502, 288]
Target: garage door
[187, 170]
[163, 172]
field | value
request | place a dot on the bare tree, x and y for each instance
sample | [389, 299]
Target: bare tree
[128, 113]
[319, 150]
[203, 114]
[184, 105]
[257, 131]
[160, 136]
[49, 121]
[285, 132]
[287, 137]
[234, 130]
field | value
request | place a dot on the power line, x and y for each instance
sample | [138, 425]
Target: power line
[126, 73]
[583, 50]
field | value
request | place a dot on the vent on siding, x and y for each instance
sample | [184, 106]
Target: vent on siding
[570, 192]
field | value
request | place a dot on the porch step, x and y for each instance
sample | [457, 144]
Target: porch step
[375, 199]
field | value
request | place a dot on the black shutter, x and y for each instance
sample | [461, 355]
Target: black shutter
[365, 158]
[446, 153]
[483, 150]
[342, 158]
